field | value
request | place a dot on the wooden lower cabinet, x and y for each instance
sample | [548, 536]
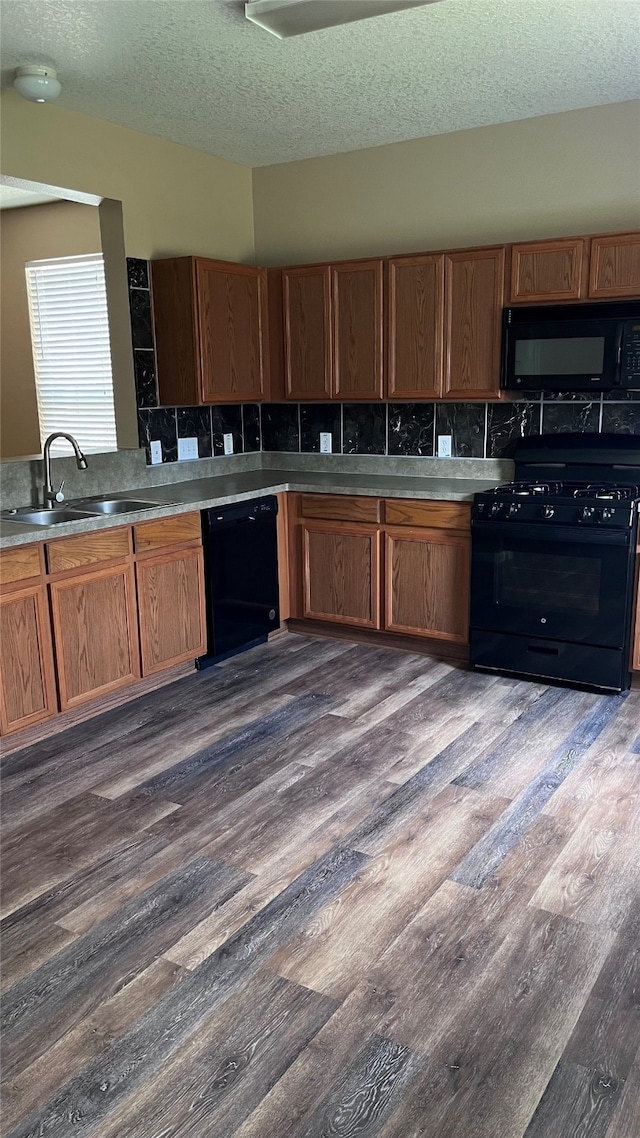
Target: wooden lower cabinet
[341, 573]
[171, 609]
[427, 583]
[635, 657]
[27, 683]
[95, 633]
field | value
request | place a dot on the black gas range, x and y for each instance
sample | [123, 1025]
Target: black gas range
[553, 562]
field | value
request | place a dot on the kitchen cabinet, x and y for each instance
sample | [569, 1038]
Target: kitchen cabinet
[170, 591]
[210, 320]
[333, 331]
[474, 295]
[27, 680]
[93, 611]
[615, 266]
[548, 271]
[635, 653]
[306, 305]
[398, 565]
[415, 326]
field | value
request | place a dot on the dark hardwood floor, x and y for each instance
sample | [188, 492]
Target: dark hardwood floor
[326, 891]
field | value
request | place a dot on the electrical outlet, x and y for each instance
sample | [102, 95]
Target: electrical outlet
[187, 448]
[228, 443]
[156, 451]
[325, 442]
[444, 446]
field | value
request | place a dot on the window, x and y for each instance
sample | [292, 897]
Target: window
[71, 351]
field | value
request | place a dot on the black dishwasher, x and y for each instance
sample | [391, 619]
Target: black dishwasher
[241, 569]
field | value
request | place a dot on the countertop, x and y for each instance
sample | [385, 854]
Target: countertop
[223, 490]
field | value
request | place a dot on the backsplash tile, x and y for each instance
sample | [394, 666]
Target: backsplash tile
[137, 272]
[411, 429]
[577, 416]
[159, 423]
[144, 366]
[251, 436]
[621, 418]
[507, 424]
[227, 420]
[317, 417]
[364, 428]
[465, 422]
[280, 428]
[478, 430]
[140, 308]
[195, 422]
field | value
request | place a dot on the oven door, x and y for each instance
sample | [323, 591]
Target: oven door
[559, 583]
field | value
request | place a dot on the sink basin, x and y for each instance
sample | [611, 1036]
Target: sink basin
[47, 517]
[118, 505]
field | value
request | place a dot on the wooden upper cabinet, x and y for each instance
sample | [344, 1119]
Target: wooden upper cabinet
[357, 329]
[548, 271]
[210, 326]
[474, 294]
[306, 304]
[415, 326]
[615, 266]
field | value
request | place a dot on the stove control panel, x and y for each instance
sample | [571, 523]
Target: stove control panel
[562, 512]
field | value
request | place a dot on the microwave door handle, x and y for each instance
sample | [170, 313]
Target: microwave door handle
[619, 339]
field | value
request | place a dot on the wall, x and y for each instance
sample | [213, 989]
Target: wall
[175, 200]
[575, 172]
[61, 229]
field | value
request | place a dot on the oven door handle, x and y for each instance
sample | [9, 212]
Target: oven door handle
[552, 534]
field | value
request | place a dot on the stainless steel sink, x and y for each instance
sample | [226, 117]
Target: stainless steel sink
[53, 517]
[119, 505]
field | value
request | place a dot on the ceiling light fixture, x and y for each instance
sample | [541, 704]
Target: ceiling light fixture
[39, 84]
[284, 18]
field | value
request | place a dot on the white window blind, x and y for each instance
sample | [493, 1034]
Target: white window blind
[71, 351]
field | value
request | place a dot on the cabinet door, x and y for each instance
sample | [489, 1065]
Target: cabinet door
[615, 266]
[306, 301]
[27, 684]
[95, 633]
[427, 583]
[635, 660]
[341, 573]
[231, 300]
[357, 330]
[171, 609]
[548, 270]
[474, 291]
[416, 295]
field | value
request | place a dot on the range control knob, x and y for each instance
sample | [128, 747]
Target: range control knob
[547, 511]
[606, 513]
[495, 509]
[587, 513]
[513, 509]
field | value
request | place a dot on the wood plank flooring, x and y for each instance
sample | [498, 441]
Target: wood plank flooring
[326, 890]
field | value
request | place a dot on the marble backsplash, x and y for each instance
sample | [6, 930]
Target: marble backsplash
[478, 430]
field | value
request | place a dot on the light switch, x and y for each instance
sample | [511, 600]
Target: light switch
[325, 442]
[156, 451]
[228, 443]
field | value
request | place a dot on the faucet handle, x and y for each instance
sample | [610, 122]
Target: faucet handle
[59, 496]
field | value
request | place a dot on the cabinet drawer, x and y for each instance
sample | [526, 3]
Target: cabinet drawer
[167, 531]
[20, 564]
[435, 515]
[87, 549]
[340, 508]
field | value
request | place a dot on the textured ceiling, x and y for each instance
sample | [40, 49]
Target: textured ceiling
[197, 72]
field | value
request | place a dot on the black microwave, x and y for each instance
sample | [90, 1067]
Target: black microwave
[571, 347]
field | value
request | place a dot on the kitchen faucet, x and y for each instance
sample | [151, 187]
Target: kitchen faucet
[51, 496]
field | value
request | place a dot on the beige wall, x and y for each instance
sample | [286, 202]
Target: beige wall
[558, 174]
[62, 229]
[175, 200]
